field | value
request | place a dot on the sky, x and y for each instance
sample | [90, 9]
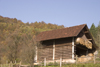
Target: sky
[60, 12]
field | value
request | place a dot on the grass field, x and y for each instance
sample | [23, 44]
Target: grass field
[56, 65]
[74, 65]
[65, 65]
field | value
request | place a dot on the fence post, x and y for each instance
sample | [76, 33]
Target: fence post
[60, 62]
[94, 58]
[44, 61]
[9, 64]
[15, 61]
[6, 62]
[76, 59]
[20, 64]
[1, 65]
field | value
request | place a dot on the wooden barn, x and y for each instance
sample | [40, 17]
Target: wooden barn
[65, 43]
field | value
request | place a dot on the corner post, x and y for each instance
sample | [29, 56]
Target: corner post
[53, 50]
[73, 48]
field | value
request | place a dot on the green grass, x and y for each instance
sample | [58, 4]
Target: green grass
[74, 65]
[64, 65]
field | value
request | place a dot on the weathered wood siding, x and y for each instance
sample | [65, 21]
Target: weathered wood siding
[63, 48]
[46, 51]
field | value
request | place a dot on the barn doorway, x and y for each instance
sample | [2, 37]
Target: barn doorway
[81, 50]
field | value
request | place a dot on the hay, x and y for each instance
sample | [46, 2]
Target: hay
[91, 56]
[82, 58]
[86, 58]
[84, 42]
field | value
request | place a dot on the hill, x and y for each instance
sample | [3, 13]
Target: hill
[14, 34]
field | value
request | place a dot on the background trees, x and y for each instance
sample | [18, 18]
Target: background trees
[29, 49]
[17, 39]
[95, 31]
[13, 46]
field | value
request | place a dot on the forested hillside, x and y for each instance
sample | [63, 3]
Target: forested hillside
[17, 37]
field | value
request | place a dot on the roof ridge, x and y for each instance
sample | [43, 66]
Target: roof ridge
[77, 25]
[61, 33]
[64, 28]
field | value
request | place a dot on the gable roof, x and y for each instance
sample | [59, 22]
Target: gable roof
[60, 33]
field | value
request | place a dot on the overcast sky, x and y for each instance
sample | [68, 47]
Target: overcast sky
[60, 12]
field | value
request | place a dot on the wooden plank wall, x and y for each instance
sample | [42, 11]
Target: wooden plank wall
[63, 48]
[46, 51]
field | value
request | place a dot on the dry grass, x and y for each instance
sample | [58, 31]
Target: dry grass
[74, 65]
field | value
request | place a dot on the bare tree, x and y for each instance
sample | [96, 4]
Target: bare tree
[29, 49]
[12, 47]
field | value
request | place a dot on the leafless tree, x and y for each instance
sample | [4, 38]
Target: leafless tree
[12, 47]
[29, 49]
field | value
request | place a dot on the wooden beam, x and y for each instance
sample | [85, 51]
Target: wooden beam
[89, 39]
[53, 49]
[81, 48]
[86, 32]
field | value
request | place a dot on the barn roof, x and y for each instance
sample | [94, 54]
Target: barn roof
[60, 33]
